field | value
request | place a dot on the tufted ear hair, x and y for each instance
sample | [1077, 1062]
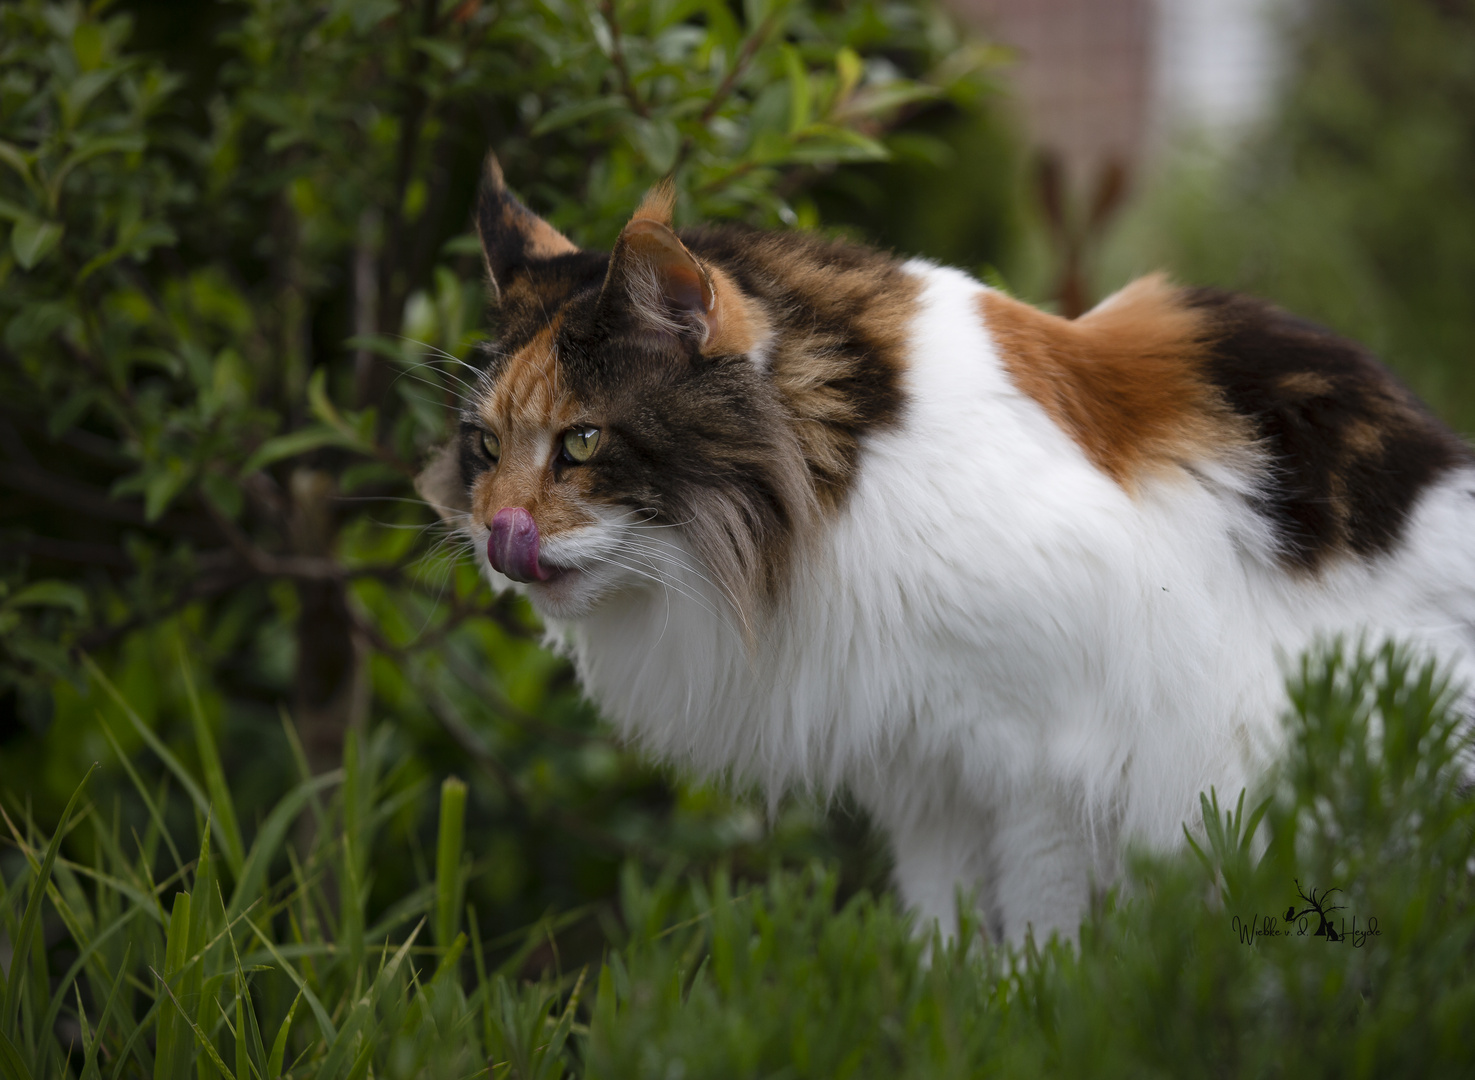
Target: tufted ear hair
[654, 279]
[511, 235]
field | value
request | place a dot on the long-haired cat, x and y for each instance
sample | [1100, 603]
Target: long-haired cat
[809, 514]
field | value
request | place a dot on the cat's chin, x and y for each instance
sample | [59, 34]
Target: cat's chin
[569, 593]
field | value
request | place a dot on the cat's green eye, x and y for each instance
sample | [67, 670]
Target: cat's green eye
[580, 443]
[491, 446]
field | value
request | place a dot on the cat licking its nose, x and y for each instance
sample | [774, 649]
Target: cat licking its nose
[512, 546]
[811, 515]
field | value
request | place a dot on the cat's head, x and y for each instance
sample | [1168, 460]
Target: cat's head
[624, 433]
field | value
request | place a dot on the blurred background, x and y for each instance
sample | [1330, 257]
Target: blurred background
[237, 251]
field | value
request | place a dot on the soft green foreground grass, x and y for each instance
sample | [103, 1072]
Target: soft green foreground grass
[135, 958]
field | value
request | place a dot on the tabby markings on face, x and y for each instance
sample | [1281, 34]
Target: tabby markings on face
[730, 375]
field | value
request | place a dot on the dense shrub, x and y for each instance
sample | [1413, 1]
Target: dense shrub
[236, 292]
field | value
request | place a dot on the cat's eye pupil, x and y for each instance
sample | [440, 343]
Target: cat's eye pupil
[492, 445]
[580, 443]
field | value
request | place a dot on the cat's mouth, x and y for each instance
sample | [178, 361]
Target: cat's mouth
[549, 574]
[513, 549]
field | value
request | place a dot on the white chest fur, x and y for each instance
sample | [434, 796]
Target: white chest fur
[1015, 664]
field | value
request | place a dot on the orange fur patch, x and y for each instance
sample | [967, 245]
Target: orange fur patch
[1125, 380]
[529, 412]
[659, 204]
[735, 324]
[543, 240]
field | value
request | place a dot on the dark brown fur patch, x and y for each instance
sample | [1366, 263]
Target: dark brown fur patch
[1125, 380]
[1350, 448]
[837, 316]
[737, 430]
[512, 236]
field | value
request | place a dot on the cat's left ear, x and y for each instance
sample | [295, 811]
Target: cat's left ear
[656, 279]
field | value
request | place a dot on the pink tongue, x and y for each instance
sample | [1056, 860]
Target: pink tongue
[513, 545]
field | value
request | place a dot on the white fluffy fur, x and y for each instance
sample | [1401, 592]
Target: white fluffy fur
[1015, 665]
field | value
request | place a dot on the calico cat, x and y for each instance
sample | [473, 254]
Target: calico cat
[805, 513]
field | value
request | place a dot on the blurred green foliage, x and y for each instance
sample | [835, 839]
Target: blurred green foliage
[236, 284]
[1355, 206]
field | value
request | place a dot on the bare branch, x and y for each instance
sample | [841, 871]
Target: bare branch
[617, 54]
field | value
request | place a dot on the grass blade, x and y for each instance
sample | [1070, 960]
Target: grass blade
[215, 782]
[200, 1036]
[21, 946]
[89, 1060]
[154, 743]
[448, 851]
[269, 838]
[10, 1058]
[171, 1056]
[279, 1044]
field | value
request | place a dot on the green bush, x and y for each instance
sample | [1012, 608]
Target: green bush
[236, 289]
[1194, 967]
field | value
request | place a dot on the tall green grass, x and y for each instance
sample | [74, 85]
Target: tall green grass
[133, 956]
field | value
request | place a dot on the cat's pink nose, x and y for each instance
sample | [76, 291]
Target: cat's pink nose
[512, 547]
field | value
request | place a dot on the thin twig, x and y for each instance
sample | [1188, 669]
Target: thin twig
[617, 49]
[744, 58]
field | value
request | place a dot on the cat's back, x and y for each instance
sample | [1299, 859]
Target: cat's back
[1162, 390]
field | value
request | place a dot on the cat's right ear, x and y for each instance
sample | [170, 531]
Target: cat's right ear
[511, 235]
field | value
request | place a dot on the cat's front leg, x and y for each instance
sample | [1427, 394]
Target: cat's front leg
[1043, 863]
[939, 842]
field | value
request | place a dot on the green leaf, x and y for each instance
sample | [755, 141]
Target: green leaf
[323, 408]
[885, 98]
[31, 240]
[291, 444]
[823, 144]
[849, 68]
[87, 44]
[51, 594]
[445, 53]
[575, 111]
[658, 142]
[798, 74]
[19, 161]
[161, 484]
